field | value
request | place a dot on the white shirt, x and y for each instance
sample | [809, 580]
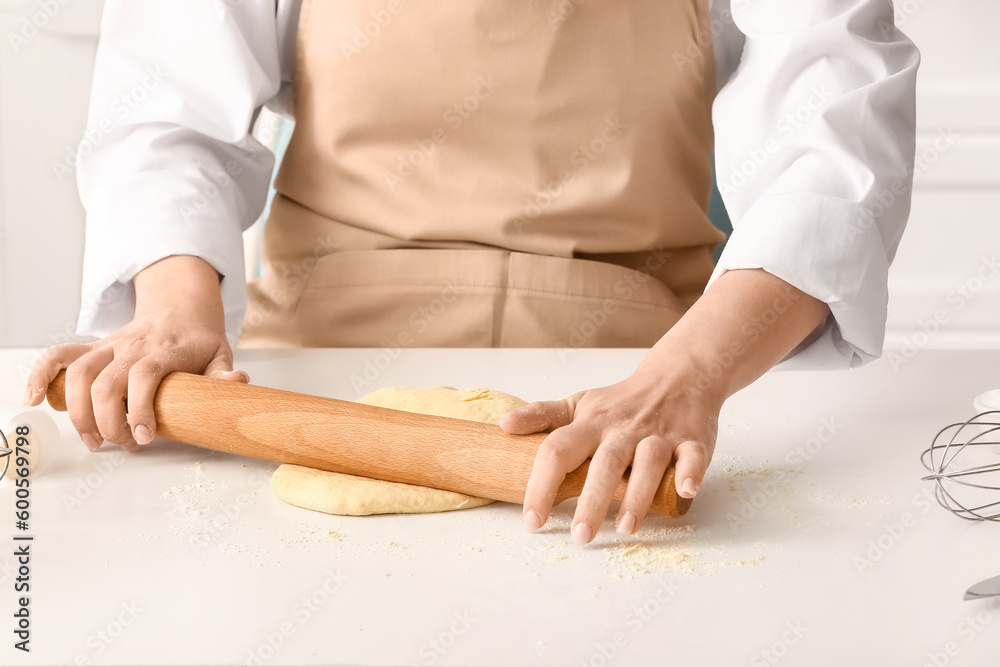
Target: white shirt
[814, 123]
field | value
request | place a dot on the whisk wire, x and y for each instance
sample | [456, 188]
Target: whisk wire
[940, 461]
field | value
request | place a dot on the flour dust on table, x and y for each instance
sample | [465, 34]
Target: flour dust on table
[337, 493]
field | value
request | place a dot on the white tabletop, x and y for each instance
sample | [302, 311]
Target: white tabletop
[812, 542]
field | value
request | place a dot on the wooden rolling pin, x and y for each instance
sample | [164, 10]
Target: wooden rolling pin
[453, 454]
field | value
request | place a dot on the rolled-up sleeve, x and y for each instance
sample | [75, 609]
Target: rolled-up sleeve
[167, 165]
[815, 138]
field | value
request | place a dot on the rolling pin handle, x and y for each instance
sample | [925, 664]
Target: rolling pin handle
[56, 393]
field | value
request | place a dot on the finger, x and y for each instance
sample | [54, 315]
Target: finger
[561, 452]
[80, 376]
[540, 416]
[108, 393]
[143, 380]
[607, 467]
[652, 457]
[233, 376]
[221, 367]
[47, 368]
[692, 462]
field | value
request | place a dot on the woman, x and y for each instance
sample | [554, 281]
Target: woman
[543, 165]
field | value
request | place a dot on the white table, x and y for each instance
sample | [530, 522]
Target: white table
[179, 555]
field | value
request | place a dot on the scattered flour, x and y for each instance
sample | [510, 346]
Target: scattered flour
[640, 558]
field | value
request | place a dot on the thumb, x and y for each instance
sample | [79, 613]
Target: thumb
[221, 368]
[540, 416]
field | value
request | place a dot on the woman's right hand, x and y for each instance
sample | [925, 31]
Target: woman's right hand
[179, 325]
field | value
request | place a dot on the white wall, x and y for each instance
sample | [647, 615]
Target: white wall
[953, 229]
[44, 85]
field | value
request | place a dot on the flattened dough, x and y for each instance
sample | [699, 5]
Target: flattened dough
[348, 495]
[337, 493]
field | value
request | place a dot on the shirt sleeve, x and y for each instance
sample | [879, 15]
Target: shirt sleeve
[167, 165]
[815, 136]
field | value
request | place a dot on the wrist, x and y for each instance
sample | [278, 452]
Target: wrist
[179, 284]
[744, 324]
[691, 366]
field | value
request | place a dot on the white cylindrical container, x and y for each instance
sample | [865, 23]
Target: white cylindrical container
[29, 433]
[988, 401]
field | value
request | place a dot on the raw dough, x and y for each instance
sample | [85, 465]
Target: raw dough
[337, 493]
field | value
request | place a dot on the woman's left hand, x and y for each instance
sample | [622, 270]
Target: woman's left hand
[644, 421]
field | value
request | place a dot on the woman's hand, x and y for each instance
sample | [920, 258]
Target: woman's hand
[178, 326]
[746, 322]
[644, 421]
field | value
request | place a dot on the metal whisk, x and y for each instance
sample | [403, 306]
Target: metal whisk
[5, 452]
[964, 462]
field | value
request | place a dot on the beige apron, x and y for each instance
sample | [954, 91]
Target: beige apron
[491, 173]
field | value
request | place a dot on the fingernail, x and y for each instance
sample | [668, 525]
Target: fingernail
[626, 524]
[689, 488]
[232, 376]
[532, 521]
[582, 533]
[33, 396]
[143, 434]
[93, 442]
